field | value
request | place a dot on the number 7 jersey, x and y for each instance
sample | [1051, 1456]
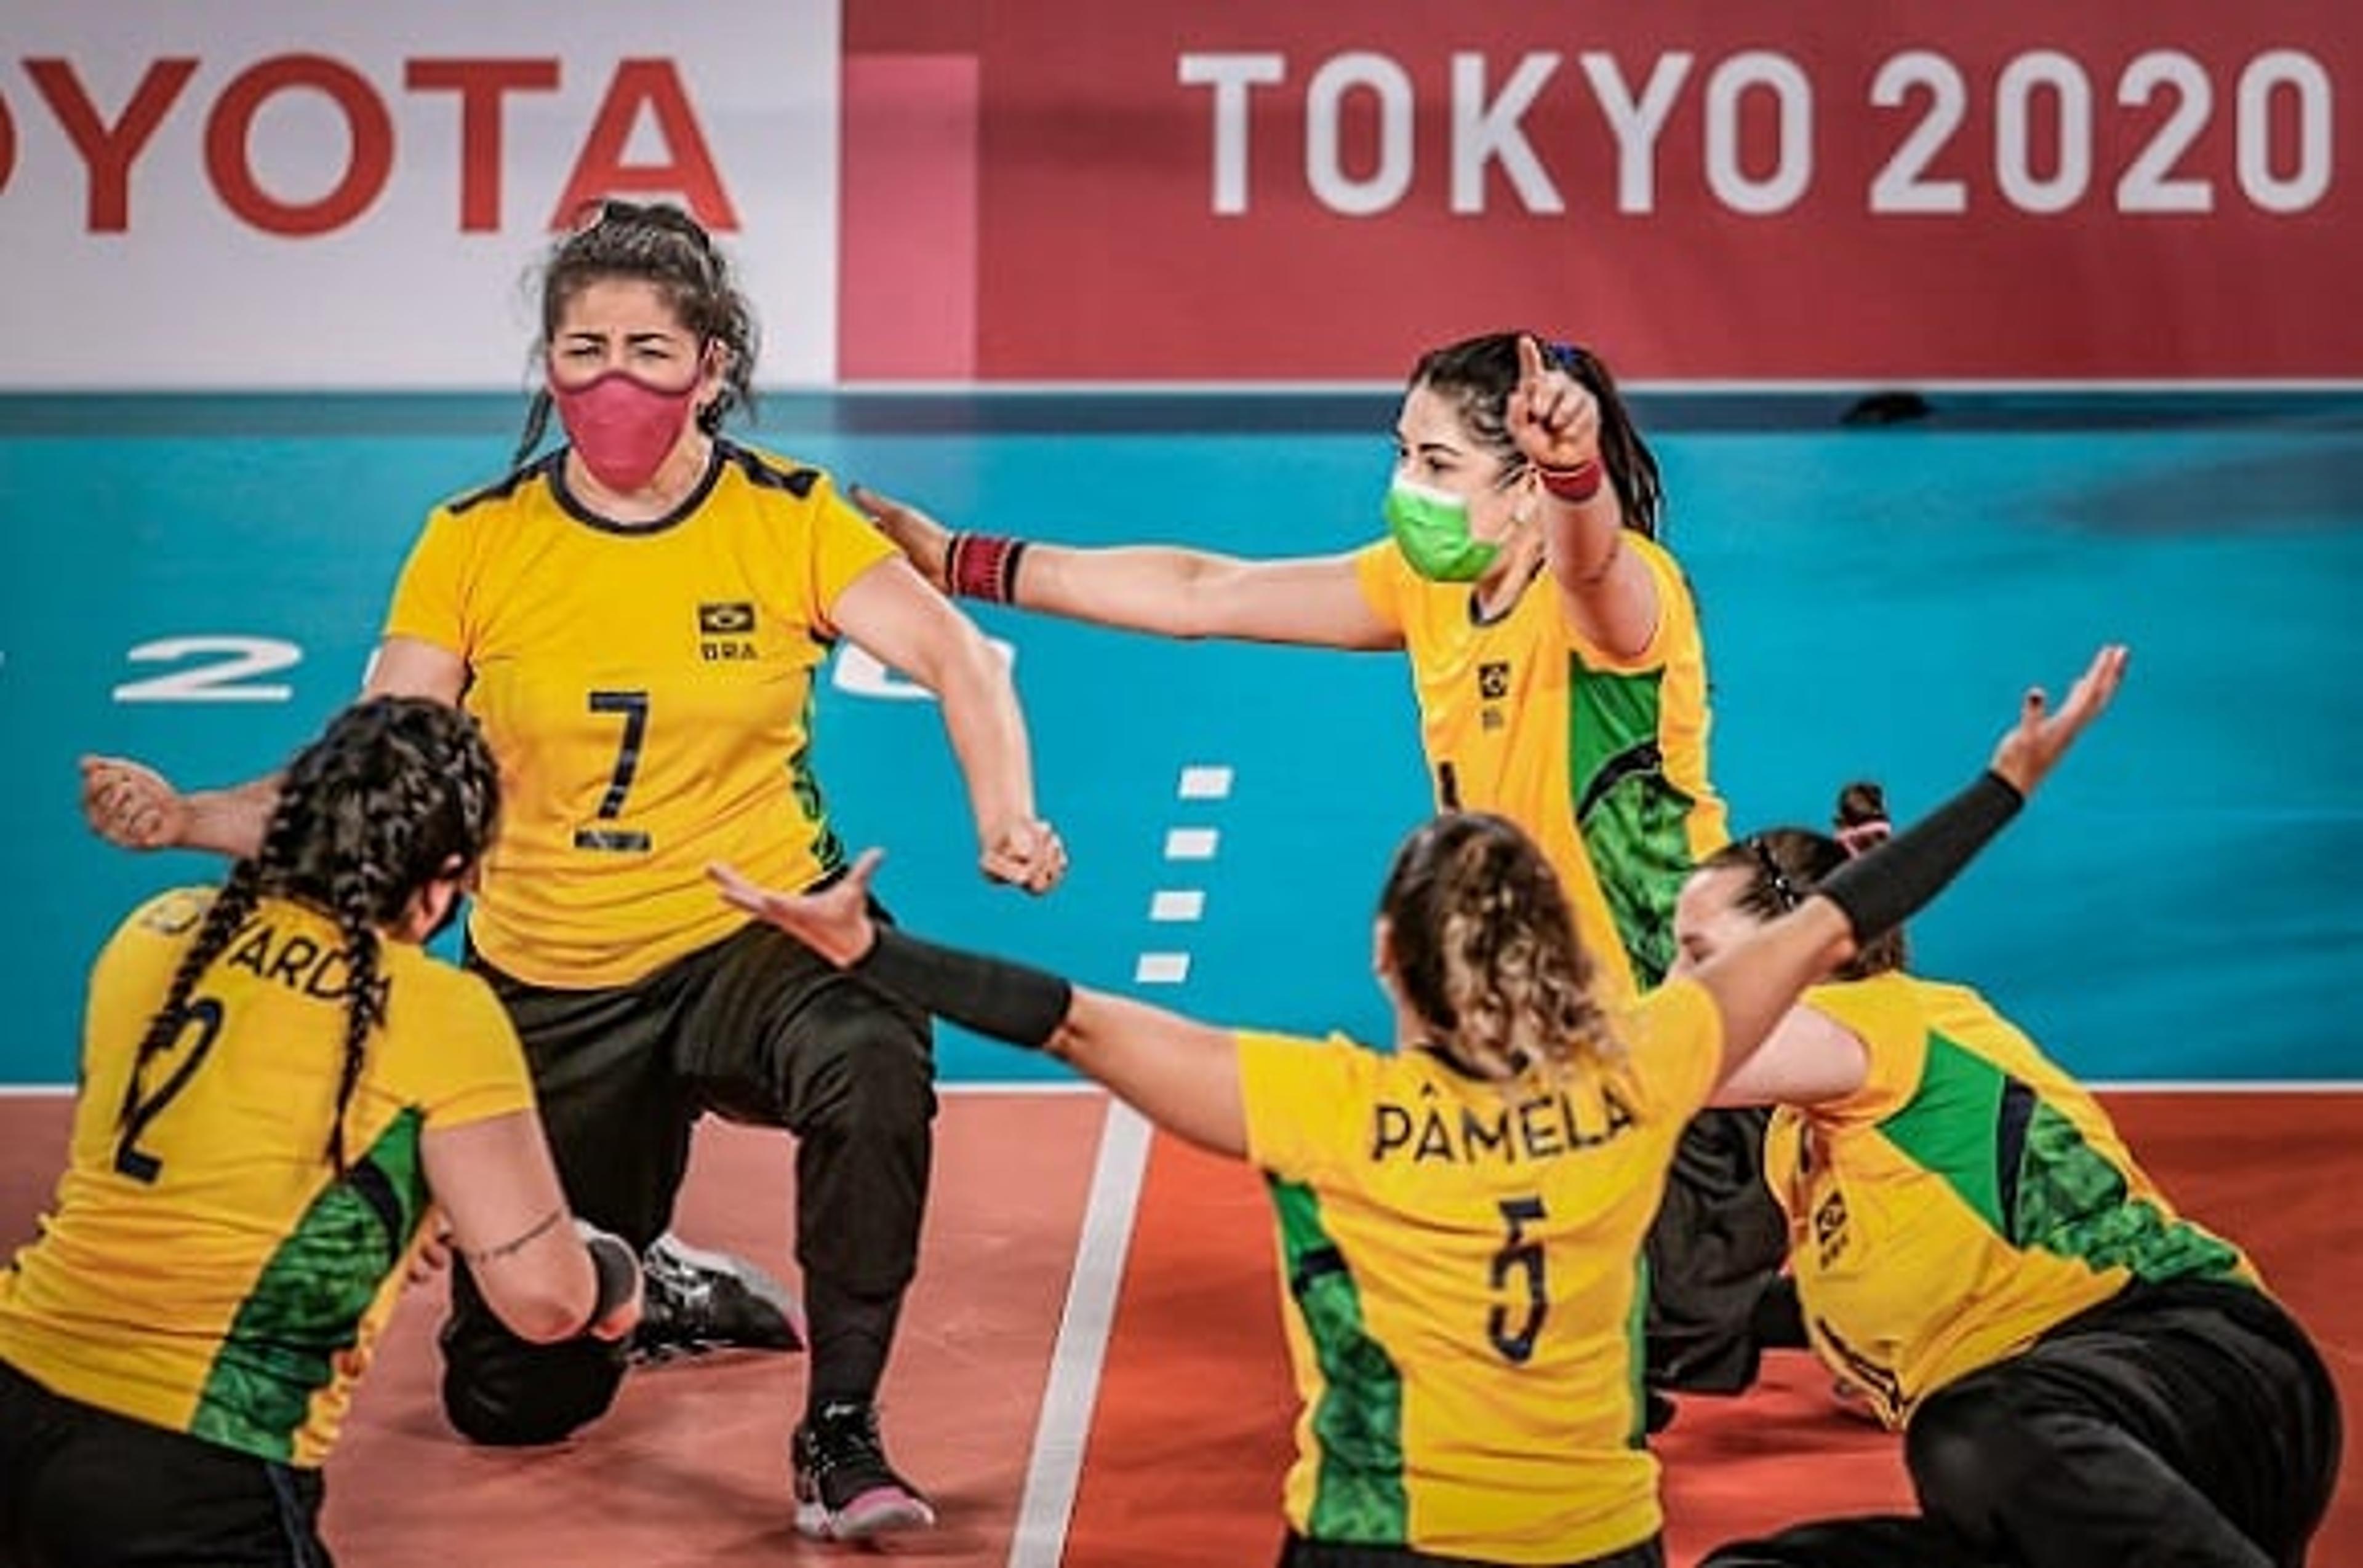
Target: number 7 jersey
[649, 693]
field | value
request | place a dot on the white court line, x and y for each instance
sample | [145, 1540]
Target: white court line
[1056, 1467]
[1177, 904]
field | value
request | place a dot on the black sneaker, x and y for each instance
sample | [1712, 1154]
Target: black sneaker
[844, 1489]
[694, 1301]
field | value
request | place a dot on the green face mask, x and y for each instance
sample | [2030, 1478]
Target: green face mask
[1431, 529]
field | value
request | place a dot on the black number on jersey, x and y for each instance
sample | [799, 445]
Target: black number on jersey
[1521, 1255]
[131, 1161]
[634, 706]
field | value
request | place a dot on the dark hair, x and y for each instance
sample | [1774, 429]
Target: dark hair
[655, 242]
[397, 793]
[1480, 940]
[1479, 373]
[1785, 864]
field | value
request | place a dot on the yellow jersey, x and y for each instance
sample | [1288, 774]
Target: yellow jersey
[649, 693]
[204, 1269]
[1601, 761]
[1967, 1198]
[1464, 1286]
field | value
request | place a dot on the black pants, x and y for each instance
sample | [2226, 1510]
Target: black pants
[2175, 1426]
[1300, 1552]
[757, 1029]
[1717, 1299]
[85, 1488]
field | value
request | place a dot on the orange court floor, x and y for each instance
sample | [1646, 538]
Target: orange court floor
[1091, 1369]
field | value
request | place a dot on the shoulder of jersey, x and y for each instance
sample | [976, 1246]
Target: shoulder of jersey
[769, 471]
[505, 488]
[175, 912]
[423, 973]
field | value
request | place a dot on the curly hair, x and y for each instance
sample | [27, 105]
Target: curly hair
[1480, 940]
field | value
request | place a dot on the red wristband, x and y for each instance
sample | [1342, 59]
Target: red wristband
[984, 566]
[1579, 483]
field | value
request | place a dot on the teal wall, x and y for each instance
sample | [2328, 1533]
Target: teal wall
[2186, 902]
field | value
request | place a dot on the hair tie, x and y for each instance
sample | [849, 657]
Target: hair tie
[1785, 891]
[1861, 836]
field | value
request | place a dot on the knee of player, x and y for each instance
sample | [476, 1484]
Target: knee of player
[1967, 1448]
[520, 1405]
[864, 1063]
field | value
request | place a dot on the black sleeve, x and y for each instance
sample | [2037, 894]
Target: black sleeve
[1007, 1001]
[1880, 890]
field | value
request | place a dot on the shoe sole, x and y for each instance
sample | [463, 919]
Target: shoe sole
[883, 1511]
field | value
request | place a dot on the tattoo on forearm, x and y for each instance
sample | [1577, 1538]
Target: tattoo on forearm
[493, 1254]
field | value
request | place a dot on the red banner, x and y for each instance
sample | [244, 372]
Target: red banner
[1823, 189]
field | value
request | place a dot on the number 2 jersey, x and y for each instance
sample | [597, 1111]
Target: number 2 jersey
[1462, 1266]
[204, 1268]
[649, 693]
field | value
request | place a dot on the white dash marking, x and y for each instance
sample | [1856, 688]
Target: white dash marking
[1161, 969]
[1171, 904]
[1206, 783]
[1192, 843]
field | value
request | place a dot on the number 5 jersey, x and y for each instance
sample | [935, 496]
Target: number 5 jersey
[1462, 1265]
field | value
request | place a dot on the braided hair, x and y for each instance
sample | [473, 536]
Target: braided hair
[1478, 374]
[1480, 940]
[398, 793]
[658, 243]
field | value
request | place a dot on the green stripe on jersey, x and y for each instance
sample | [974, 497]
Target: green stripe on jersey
[1634, 822]
[1357, 1420]
[1952, 1124]
[2024, 1167]
[2073, 1202]
[305, 1307]
[1637, 1352]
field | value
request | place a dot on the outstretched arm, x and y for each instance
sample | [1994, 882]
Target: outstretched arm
[889, 611]
[1182, 1074]
[1755, 983]
[134, 806]
[1171, 592]
[1808, 1058]
[543, 1277]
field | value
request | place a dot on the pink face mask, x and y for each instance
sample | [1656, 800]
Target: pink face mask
[623, 428]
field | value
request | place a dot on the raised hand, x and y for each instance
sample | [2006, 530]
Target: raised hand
[1553, 418]
[834, 922]
[1026, 854]
[918, 536]
[2041, 737]
[131, 805]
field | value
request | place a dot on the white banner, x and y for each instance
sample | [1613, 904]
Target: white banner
[281, 194]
